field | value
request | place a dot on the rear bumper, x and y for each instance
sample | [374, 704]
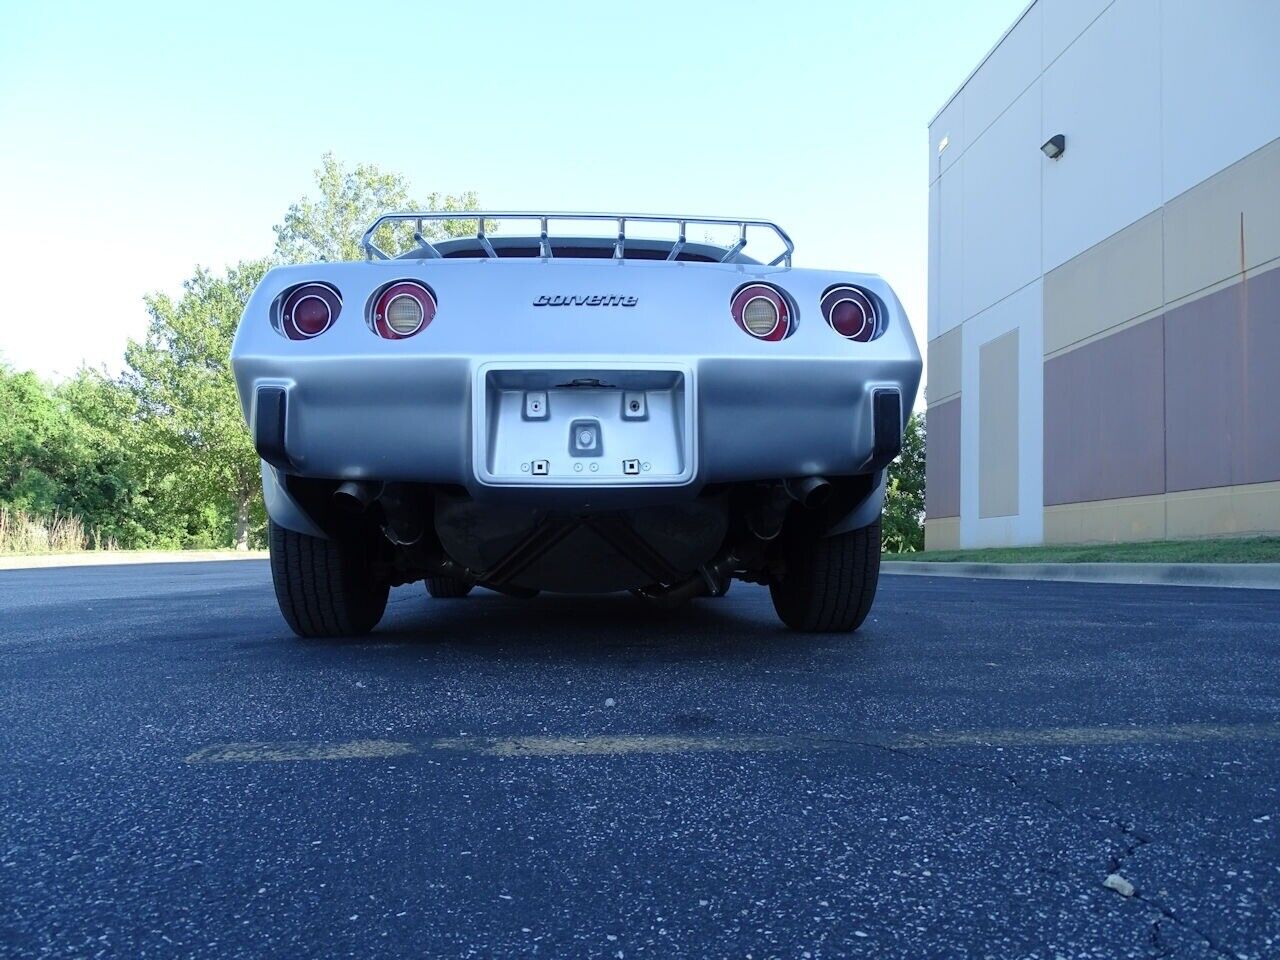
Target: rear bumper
[418, 419]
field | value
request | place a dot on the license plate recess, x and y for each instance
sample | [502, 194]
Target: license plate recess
[579, 424]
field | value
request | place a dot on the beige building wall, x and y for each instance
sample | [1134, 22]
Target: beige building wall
[944, 366]
[1250, 509]
[1204, 270]
[998, 435]
[942, 454]
[1141, 269]
[1224, 227]
[1120, 279]
[942, 533]
[1245, 510]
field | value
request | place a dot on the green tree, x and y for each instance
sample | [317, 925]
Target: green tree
[98, 456]
[902, 527]
[30, 444]
[196, 455]
[123, 491]
[192, 426]
[65, 451]
[330, 227]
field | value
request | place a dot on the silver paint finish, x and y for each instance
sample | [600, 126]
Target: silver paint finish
[360, 406]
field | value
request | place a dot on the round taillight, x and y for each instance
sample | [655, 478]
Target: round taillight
[762, 311]
[309, 310]
[853, 313]
[403, 309]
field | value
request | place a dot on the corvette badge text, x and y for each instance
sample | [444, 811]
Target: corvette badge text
[596, 300]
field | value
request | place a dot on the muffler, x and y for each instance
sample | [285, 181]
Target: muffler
[809, 492]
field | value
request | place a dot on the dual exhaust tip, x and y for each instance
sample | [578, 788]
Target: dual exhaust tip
[809, 492]
[402, 515]
[355, 496]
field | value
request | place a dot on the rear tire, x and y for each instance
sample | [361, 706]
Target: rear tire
[829, 583]
[448, 588]
[325, 588]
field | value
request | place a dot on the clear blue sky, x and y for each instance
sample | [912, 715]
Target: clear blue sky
[137, 141]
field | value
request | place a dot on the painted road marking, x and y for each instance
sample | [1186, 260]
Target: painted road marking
[642, 743]
[611, 745]
[275, 752]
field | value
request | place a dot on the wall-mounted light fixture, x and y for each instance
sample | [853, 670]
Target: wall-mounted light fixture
[1054, 147]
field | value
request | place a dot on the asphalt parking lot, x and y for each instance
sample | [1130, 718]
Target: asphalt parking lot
[180, 776]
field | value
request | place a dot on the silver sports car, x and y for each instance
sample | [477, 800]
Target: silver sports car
[550, 410]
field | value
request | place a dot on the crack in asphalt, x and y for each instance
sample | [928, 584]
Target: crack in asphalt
[1135, 841]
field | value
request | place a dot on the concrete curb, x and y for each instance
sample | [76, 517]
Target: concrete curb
[111, 558]
[1253, 576]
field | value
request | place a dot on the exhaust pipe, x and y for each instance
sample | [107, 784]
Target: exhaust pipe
[809, 492]
[354, 496]
[704, 583]
[766, 517]
[404, 513]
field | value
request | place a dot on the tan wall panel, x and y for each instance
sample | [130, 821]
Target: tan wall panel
[1262, 213]
[1106, 521]
[942, 534]
[1203, 239]
[942, 459]
[998, 430]
[1254, 508]
[1220, 511]
[1114, 281]
[944, 366]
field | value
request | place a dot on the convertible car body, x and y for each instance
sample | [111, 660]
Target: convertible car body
[576, 414]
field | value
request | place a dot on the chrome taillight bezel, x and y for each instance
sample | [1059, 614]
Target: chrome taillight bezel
[859, 304]
[785, 312]
[388, 294]
[289, 301]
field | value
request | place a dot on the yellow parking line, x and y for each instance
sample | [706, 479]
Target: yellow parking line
[276, 752]
[610, 745]
[621, 744]
[1090, 736]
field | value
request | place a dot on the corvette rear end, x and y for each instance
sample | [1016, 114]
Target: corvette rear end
[573, 414]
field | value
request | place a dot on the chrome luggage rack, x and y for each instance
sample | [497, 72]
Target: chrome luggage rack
[417, 218]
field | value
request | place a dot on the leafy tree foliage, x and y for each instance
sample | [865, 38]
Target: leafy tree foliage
[192, 426]
[902, 527]
[29, 444]
[104, 488]
[330, 227]
[69, 451]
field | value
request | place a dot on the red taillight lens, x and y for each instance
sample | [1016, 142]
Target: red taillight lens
[309, 310]
[853, 313]
[403, 309]
[762, 311]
